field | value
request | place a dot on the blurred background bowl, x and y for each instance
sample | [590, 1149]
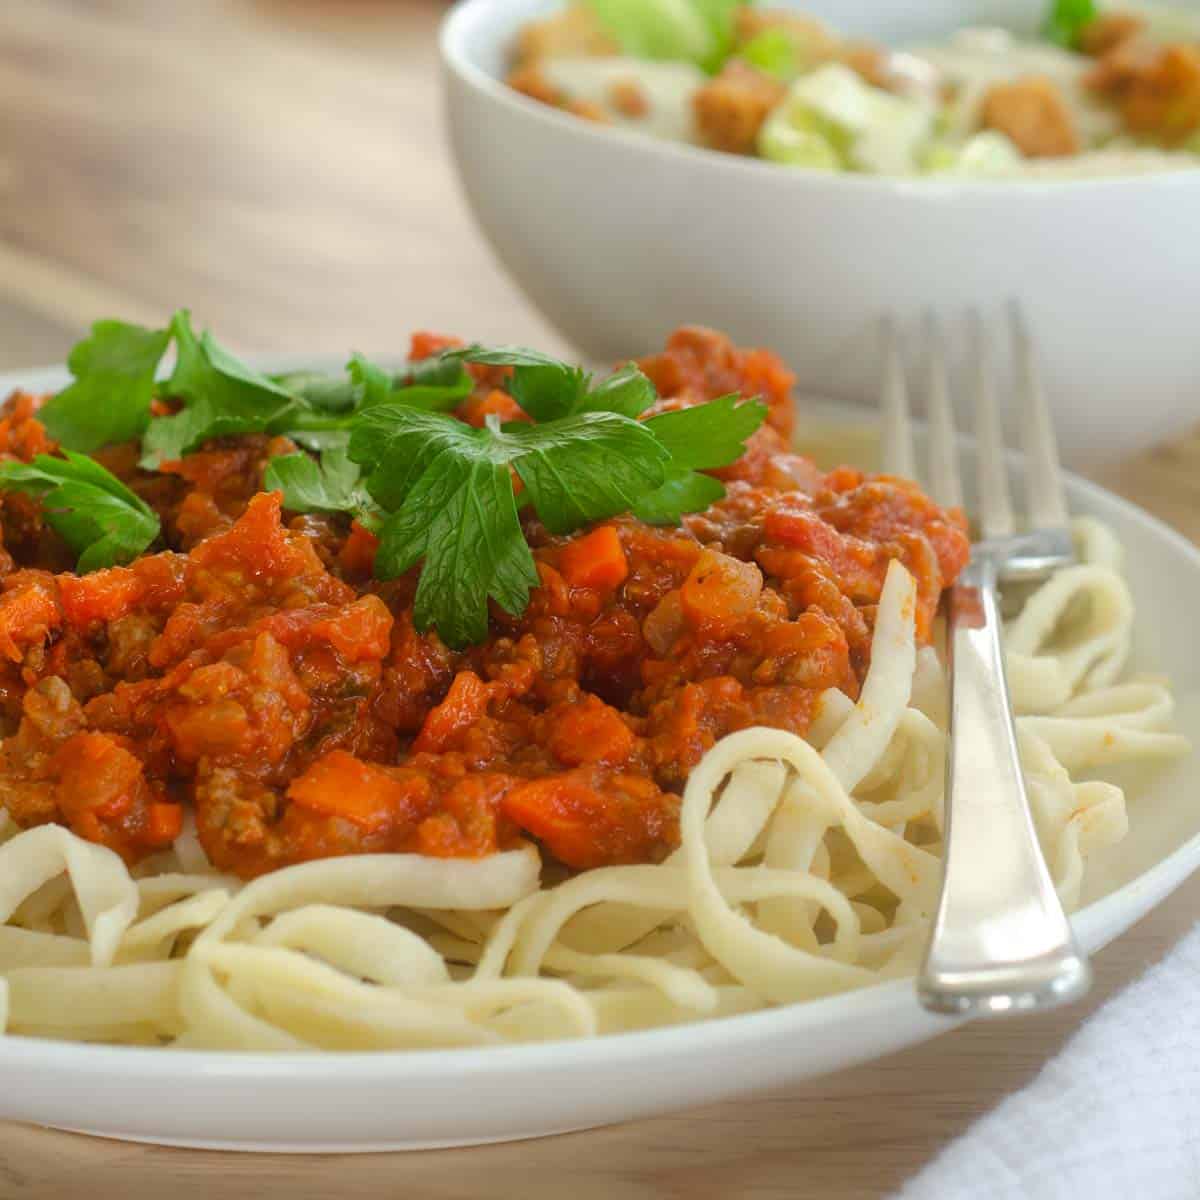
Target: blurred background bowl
[618, 239]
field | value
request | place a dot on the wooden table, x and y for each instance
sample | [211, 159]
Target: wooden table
[278, 166]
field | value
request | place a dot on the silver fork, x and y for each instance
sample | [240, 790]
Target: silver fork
[1001, 941]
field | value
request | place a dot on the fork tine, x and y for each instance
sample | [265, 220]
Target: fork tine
[1044, 489]
[944, 482]
[897, 449]
[995, 503]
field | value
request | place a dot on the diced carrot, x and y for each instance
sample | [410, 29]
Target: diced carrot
[101, 596]
[590, 822]
[596, 560]
[28, 614]
[340, 785]
[588, 731]
[464, 704]
[100, 784]
[476, 410]
[164, 823]
[360, 632]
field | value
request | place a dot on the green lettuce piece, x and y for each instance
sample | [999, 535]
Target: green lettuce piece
[803, 139]
[773, 52]
[1066, 20]
[982, 154]
[696, 31]
[832, 118]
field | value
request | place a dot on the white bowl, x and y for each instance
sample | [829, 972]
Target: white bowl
[618, 239]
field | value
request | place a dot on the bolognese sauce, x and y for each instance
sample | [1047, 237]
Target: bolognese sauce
[257, 674]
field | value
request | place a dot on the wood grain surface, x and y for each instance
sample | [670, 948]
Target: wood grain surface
[278, 165]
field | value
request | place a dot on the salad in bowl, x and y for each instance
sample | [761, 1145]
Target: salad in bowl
[1095, 91]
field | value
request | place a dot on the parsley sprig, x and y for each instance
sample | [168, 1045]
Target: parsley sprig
[114, 383]
[221, 396]
[447, 494]
[115, 373]
[87, 506]
[332, 485]
[438, 492]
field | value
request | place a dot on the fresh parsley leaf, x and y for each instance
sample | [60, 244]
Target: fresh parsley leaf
[501, 356]
[221, 394]
[547, 393]
[461, 519]
[584, 468]
[432, 383]
[394, 445]
[320, 392]
[90, 509]
[332, 486]
[683, 492]
[626, 391]
[321, 439]
[439, 371]
[373, 382]
[1066, 20]
[708, 435]
[454, 508]
[114, 383]
[432, 399]
[698, 439]
[544, 387]
[549, 390]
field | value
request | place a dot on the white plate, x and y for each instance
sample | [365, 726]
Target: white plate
[410, 1100]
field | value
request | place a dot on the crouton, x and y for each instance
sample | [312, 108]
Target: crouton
[1157, 88]
[810, 35]
[1033, 114]
[731, 109]
[1108, 31]
[572, 33]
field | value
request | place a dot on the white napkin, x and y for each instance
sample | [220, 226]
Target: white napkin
[1115, 1114]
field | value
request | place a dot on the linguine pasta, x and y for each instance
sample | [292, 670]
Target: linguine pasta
[805, 868]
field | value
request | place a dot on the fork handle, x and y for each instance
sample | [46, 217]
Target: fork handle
[1001, 941]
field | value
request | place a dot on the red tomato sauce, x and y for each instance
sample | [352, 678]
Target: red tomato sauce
[257, 674]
